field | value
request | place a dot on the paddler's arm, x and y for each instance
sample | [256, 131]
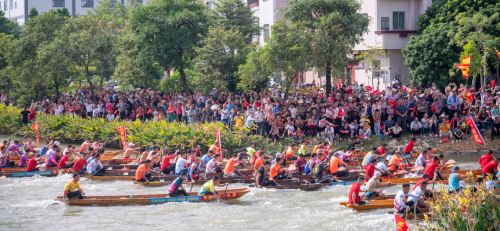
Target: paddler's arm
[354, 196]
[144, 177]
[257, 178]
[390, 174]
[371, 189]
[105, 142]
[191, 173]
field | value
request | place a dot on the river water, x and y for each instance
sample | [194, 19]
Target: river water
[28, 204]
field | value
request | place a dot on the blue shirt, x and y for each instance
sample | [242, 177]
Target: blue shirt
[276, 110]
[191, 118]
[230, 107]
[43, 151]
[206, 159]
[389, 124]
[452, 101]
[250, 121]
[88, 160]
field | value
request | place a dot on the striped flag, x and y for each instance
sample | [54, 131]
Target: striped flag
[476, 135]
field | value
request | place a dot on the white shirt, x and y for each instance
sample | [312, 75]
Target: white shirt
[382, 166]
[293, 112]
[418, 192]
[420, 161]
[258, 116]
[399, 200]
[179, 165]
[93, 166]
[224, 114]
[210, 166]
[110, 117]
[89, 106]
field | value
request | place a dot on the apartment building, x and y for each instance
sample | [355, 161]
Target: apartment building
[19, 9]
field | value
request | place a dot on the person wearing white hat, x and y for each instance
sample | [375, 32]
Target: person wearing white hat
[372, 183]
[130, 150]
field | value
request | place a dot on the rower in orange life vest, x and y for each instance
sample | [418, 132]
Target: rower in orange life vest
[141, 175]
[396, 161]
[335, 162]
[70, 188]
[276, 173]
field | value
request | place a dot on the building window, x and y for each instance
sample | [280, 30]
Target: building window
[57, 3]
[385, 23]
[4, 5]
[87, 3]
[139, 1]
[266, 31]
[398, 20]
[113, 2]
[11, 4]
[210, 5]
[15, 5]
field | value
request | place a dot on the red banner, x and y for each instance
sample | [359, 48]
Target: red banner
[476, 135]
[123, 136]
[400, 223]
[35, 127]
[217, 139]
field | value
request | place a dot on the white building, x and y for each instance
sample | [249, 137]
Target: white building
[19, 9]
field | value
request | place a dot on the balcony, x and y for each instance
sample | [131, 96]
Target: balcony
[402, 33]
[253, 3]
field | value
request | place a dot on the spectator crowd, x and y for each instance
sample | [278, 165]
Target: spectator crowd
[353, 110]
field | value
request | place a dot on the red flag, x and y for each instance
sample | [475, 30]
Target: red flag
[35, 127]
[217, 139]
[476, 135]
[400, 223]
[349, 91]
[123, 136]
[498, 53]
[404, 88]
[390, 101]
[376, 92]
[338, 85]
[369, 88]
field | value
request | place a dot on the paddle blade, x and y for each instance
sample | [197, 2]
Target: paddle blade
[449, 162]
[401, 172]
[417, 168]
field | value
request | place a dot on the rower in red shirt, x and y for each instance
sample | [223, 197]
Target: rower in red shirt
[485, 159]
[166, 167]
[409, 146]
[370, 169]
[491, 168]
[65, 162]
[425, 177]
[354, 198]
[80, 165]
[382, 149]
[37, 159]
[431, 167]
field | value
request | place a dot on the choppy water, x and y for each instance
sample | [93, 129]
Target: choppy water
[28, 204]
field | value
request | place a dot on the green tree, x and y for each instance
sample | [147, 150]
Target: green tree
[470, 49]
[217, 59]
[33, 13]
[5, 46]
[338, 27]
[8, 26]
[430, 57]
[493, 58]
[63, 12]
[285, 54]
[117, 10]
[237, 15]
[256, 71]
[170, 31]
[445, 11]
[89, 38]
[173, 84]
[475, 29]
[27, 72]
[136, 64]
